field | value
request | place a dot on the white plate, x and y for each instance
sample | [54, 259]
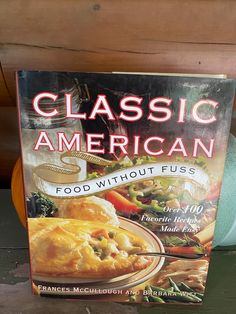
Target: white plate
[117, 283]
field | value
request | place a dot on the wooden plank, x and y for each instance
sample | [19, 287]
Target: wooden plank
[165, 36]
[5, 97]
[89, 24]
[9, 143]
[12, 270]
[14, 235]
[165, 57]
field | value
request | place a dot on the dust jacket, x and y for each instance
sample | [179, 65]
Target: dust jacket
[122, 174]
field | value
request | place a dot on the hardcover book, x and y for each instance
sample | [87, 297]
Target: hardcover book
[122, 174]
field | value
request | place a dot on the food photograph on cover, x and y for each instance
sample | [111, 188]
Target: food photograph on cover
[117, 157]
[122, 176]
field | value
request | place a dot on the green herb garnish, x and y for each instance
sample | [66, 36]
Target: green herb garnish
[39, 205]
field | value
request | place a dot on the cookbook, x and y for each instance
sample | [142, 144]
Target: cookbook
[122, 175]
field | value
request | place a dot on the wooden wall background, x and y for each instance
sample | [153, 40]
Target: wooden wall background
[193, 36]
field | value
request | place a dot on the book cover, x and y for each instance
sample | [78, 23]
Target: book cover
[122, 175]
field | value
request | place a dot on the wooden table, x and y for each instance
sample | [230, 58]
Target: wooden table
[16, 297]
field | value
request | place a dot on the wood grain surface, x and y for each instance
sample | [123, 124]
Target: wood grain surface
[5, 97]
[161, 36]
[9, 143]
